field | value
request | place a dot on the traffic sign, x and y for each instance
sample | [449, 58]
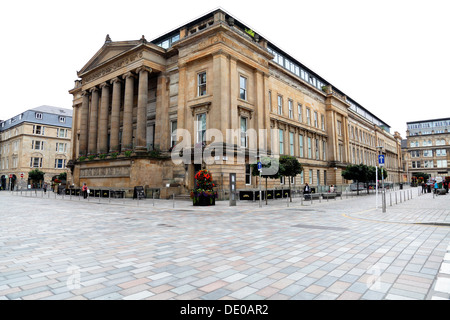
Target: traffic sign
[259, 165]
[381, 160]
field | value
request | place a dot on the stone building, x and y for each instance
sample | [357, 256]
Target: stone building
[38, 138]
[216, 88]
[426, 148]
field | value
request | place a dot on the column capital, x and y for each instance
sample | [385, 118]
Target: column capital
[103, 85]
[144, 68]
[128, 75]
[94, 89]
[85, 93]
[116, 79]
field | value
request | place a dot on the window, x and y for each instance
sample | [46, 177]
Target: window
[37, 145]
[442, 163]
[280, 132]
[61, 147]
[322, 119]
[316, 120]
[280, 105]
[248, 174]
[173, 136]
[428, 164]
[62, 119]
[291, 143]
[302, 178]
[440, 142]
[244, 138]
[441, 152]
[270, 100]
[309, 148]
[299, 110]
[300, 140]
[242, 88]
[291, 111]
[201, 82]
[310, 176]
[318, 177]
[324, 147]
[36, 162]
[317, 148]
[38, 115]
[61, 133]
[427, 153]
[414, 144]
[308, 116]
[201, 128]
[339, 128]
[38, 130]
[60, 163]
[427, 143]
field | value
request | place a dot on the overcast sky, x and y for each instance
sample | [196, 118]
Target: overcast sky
[392, 57]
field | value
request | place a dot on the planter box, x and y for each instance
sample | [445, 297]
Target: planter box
[205, 201]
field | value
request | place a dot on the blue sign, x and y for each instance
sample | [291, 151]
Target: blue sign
[381, 160]
[259, 165]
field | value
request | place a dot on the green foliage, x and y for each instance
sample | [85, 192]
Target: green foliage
[128, 153]
[103, 156]
[250, 32]
[114, 155]
[62, 176]
[36, 175]
[92, 157]
[289, 166]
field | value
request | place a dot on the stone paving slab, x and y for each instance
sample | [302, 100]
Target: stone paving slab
[55, 248]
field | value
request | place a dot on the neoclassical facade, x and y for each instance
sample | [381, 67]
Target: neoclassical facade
[216, 88]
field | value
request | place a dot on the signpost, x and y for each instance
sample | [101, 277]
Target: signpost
[232, 189]
[260, 171]
[381, 164]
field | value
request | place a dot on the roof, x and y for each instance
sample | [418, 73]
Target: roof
[51, 116]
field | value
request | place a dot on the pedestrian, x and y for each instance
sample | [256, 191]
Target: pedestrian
[436, 186]
[331, 189]
[306, 191]
[85, 190]
[45, 187]
[424, 187]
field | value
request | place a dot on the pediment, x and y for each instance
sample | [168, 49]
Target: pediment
[108, 52]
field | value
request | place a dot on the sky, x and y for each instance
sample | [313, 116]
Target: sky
[392, 57]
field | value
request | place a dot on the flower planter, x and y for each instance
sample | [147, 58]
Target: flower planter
[204, 201]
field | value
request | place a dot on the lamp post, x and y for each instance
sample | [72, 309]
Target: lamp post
[381, 164]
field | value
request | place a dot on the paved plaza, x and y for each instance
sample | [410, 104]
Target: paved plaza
[69, 248]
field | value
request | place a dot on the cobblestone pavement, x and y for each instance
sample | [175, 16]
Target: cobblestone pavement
[71, 248]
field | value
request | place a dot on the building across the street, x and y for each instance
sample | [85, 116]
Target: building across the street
[224, 93]
[38, 138]
[427, 148]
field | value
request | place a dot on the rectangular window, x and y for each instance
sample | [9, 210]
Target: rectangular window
[427, 153]
[61, 133]
[62, 119]
[317, 148]
[310, 176]
[318, 177]
[280, 132]
[322, 118]
[441, 152]
[60, 163]
[300, 140]
[302, 177]
[37, 145]
[339, 127]
[316, 119]
[308, 116]
[244, 137]
[201, 128]
[299, 110]
[242, 88]
[173, 136]
[201, 84]
[38, 115]
[291, 109]
[280, 105]
[61, 147]
[248, 174]
[324, 148]
[428, 164]
[36, 162]
[309, 148]
[291, 143]
[38, 130]
[442, 163]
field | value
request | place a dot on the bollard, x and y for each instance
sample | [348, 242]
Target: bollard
[390, 199]
[395, 197]
[153, 193]
[287, 201]
[173, 204]
[301, 200]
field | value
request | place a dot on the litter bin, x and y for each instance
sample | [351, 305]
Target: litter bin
[401, 186]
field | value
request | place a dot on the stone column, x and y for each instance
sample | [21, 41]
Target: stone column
[127, 135]
[162, 126]
[93, 120]
[103, 123]
[115, 115]
[84, 120]
[141, 126]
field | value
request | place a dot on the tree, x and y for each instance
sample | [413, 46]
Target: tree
[36, 175]
[382, 174]
[270, 169]
[290, 167]
[357, 173]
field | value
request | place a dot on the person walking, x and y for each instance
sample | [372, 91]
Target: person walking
[84, 190]
[45, 187]
[306, 191]
[424, 187]
[436, 186]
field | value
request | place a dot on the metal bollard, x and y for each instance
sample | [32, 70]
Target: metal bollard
[390, 199]
[173, 204]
